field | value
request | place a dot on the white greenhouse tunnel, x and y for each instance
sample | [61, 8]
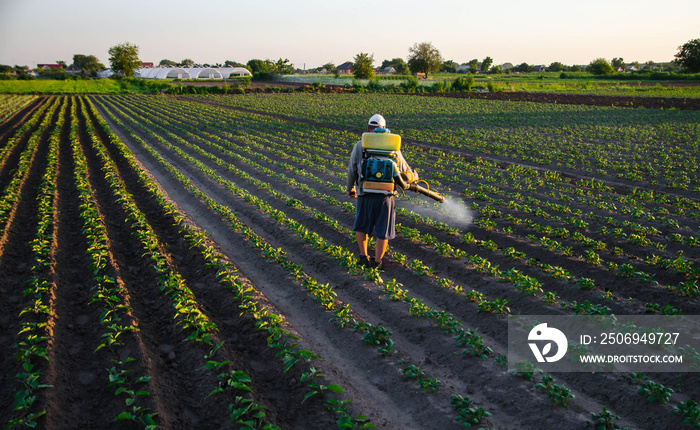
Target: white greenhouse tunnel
[191, 72]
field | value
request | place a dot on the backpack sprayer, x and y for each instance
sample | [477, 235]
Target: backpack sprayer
[380, 173]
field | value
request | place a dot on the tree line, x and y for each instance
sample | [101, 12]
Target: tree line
[423, 58]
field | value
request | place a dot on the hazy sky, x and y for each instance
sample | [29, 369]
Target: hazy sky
[312, 33]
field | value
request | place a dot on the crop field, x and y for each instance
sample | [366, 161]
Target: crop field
[179, 263]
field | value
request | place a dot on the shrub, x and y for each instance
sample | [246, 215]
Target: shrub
[265, 76]
[410, 84]
[463, 83]
[374, 85]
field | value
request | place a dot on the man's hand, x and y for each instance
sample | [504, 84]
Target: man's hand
[352, 193]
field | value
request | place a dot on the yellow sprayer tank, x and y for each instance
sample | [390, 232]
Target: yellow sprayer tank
[381, 141]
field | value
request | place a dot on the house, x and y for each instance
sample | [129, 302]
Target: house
[49, 66]
[539, 68]
[463, 68]
[146, 65]
[346, 68]
[631, 68]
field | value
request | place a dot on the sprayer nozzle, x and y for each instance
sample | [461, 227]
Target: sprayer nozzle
[427, 192]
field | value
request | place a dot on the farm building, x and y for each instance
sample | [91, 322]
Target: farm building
[345, 68]
[191, 72]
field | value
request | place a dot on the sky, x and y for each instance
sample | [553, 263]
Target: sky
[312, 33]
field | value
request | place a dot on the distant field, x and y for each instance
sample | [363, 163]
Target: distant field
[540, 82]
[103, 86]
[534, 83]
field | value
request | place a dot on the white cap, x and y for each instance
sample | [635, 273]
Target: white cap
[377, 121]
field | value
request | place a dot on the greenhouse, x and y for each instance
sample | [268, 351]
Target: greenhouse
[191, 72]
[204, 73]
[163, 73]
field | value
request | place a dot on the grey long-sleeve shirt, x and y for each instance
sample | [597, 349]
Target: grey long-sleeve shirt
[355, 167]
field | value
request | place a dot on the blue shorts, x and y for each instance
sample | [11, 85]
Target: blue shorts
[376, 212]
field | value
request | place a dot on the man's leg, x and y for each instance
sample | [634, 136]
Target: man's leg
[382, 245]
[362, 241]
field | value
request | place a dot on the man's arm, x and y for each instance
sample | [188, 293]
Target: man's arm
[352, 171]
[401, 162]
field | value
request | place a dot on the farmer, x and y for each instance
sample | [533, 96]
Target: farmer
[375, 211]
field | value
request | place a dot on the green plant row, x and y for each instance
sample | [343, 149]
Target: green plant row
[22, 130]
[637, 235]
[37, 315]
[11, 104]
[265, 320]
[678, 266]
[12, 191]
[116, 319]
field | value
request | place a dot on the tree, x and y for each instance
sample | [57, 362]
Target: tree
[486, 64]
[363, 67]
[124, 59]
[617, 63]
[556, 67]
[688, 56]
[398, 64]
[229, 63]
[600, 66]
[424, 58]
[167, 63]
[473, 65]
[61, 63]
[257, 66]
[187, 62]
[523, 68]
[495, 70]
[283, 67]
[449, 66]
[87, 62]
[330, 68]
